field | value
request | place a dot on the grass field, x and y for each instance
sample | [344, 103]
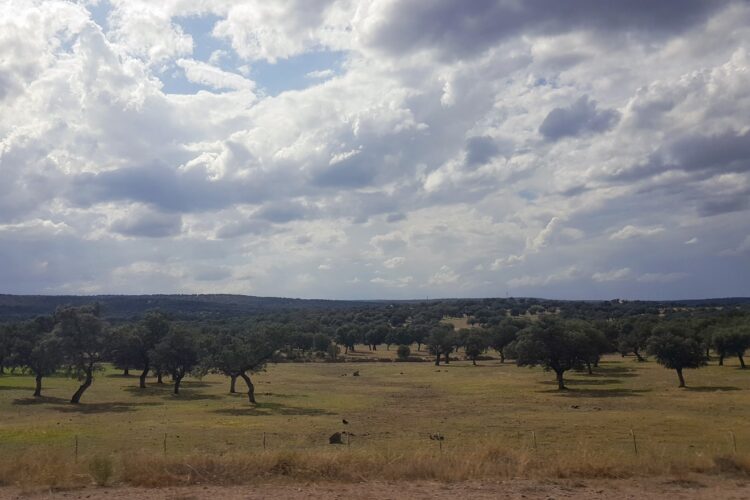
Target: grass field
[392, 408]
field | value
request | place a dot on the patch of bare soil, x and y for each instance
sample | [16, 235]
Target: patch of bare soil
[698, 487]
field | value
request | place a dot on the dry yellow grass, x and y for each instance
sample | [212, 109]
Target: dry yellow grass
[498, 421]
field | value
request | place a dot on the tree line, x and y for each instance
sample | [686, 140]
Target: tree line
[78, 340]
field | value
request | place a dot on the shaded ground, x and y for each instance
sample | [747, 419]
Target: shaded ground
[699, 487]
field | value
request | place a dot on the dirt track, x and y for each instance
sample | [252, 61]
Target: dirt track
[696, 487]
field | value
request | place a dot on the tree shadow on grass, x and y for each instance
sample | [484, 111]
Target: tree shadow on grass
[110, 407]
[39, 400]
[264, 409]
[580, 381]
[714, 388]
[615, 392]
[166, 391]
[616, 371]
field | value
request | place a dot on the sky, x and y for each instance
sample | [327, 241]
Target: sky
[360, 149]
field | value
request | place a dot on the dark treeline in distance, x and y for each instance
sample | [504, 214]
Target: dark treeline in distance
[557, 335]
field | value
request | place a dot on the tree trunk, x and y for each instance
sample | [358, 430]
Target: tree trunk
[177, 380]
[374, 347]
[38, 390]
[86, 384]
[159, 376]
[588, 368]
[638, 355]
[250, 387]
[502, 356]
[447, 358]
[560, 381]
[419, 346]
[142, 378]
[232, 384]
[742, 361]
[474, 361]
[126, 372]
[437, 359]
[721, 360]
[682, 379]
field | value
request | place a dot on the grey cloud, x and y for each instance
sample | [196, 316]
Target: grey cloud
[734, 203]
[727, 152]
[461, 29]
[163, 187]
[580, 118]
[281, 212]
[242, 228]
[148, 224]
[480, 150]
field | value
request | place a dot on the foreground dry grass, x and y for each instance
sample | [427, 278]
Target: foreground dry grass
[499, 422]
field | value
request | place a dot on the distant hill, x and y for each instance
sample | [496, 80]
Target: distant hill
[183, 306]
[218, 306]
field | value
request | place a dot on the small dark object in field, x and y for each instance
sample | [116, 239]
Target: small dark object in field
[336, 438]
[355, 374]
[575, 407]
[596, 408]
[345, 421]
[437, 437]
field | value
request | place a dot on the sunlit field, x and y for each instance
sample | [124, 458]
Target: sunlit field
[391, 409]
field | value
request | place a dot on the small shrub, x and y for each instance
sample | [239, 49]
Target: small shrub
[101, 470]
[403, 352]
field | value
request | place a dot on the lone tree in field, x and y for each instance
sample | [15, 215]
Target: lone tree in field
[674, 348]
[38, 349]
[239, 355]
[475, 345]
[634, 335]
[441, 341]
[502, 335]
[84, 339]
[551, 344]
[731, 341]
[178, 354]
[141, 340]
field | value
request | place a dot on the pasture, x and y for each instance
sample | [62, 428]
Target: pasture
[391, 409]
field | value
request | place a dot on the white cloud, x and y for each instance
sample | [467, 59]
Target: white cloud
[394, 262]
[206, 74]
[631, 231]
[661, 277]
[444, 276]
[613, 275]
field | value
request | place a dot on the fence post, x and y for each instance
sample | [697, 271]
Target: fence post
[264, 440]
[533, 437]
[76, 448]
[165, 444]
[734, 441]
[635, 443]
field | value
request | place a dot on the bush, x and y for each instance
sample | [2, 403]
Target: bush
[403, 352]
[101, 470]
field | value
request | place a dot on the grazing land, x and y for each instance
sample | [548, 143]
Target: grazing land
[499, 421]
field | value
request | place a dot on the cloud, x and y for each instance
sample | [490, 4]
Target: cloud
[207, 74]
[580, 118]
[444, 276]
[394, 262]
[213, 146]
[742, 248]
[148, 224]
[613, 275]
[630, 231]
[661, 277]
[531, 281]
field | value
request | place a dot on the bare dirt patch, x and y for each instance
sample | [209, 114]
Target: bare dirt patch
[693, 487]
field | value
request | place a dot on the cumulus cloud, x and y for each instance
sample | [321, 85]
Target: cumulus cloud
[461, 147]
[580, 117]
[148, 224]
